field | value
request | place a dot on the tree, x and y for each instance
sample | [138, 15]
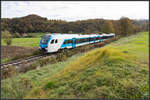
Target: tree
[107, 27]
[7, 37]
[35, 23]
[117, 27]
[126, 26]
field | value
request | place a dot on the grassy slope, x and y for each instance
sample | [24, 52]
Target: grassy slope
[119, 70]
[37, 77]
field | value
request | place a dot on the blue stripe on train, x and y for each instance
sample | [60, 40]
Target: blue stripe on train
[74, 45]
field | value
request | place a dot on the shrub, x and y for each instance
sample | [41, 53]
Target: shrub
[7, 37]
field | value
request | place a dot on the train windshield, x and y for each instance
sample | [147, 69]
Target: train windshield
[45, 39]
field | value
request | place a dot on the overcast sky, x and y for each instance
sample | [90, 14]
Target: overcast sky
[76, 10]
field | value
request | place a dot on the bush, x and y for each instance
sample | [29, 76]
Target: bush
[7, 37]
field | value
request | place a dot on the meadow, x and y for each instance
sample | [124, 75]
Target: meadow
[32, 41]
[26, 42]
[118, 70]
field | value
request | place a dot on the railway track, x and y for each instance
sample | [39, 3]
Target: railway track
[20, 61]
[29, 59]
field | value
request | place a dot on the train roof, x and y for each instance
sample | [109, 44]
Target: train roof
[104, 34]
[70, 36]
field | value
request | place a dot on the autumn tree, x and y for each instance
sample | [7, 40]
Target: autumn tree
[107, 27]
[34, 23]
[126, 26]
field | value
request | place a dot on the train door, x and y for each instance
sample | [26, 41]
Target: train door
[73, 43]
[53, 45]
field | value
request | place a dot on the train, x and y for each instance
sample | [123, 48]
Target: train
[55, 42]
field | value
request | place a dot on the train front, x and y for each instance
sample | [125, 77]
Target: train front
[44, 42]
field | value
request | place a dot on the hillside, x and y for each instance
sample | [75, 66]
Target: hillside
[35, 23]
[118, 70]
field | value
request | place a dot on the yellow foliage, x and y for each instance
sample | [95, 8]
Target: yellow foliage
[92, 58]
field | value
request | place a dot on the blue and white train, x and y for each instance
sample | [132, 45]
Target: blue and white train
[55, 42]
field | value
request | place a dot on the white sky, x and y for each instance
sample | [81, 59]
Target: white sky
[76, 10]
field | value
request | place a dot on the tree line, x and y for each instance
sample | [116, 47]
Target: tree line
[34, 23]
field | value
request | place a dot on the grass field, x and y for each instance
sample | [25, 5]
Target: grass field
[26, 42]
[118, 70]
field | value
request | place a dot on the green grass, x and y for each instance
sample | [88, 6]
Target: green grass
[118, 70]
[135, 44]
[4, 60]
[37, 76]
[26, 42]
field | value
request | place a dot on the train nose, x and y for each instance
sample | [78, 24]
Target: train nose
[43, 45]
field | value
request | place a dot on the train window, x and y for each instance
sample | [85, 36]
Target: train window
[98, 38]
[77, 41]
[87, 39]
[52, 41]
[91, 39]
[82, 40]
[56, 41]
[45, 39]
[68, 41]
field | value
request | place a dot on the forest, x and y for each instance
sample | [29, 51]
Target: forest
[35, 23]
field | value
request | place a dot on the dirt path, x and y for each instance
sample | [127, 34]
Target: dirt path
[12, 51]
